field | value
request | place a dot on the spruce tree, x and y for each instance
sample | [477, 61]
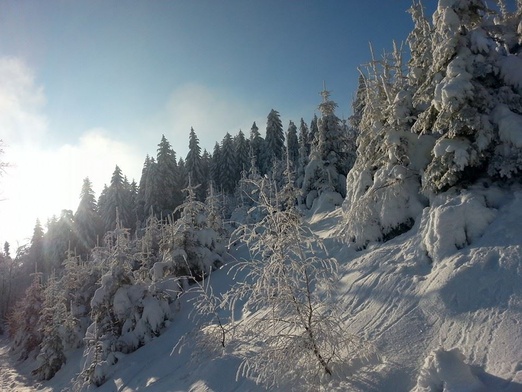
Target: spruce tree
[87, 221]
[472, 100]
[292, 144]
[168, 192]
[275, 139]
[313, 136]
[23, 322]
[206, 163]
[256, 146]
[193, 164]
[116, 202]
[215, 166]
[242, 153]
[228, 165]
[51, 356]
[36, 249]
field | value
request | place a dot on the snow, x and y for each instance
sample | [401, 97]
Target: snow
[511, 70]
[458, 146]
[453, 222]
[509, 124]
[450, 321]
[446, 371]
[456, 87]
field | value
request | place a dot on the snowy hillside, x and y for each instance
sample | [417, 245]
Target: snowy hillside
[444, 319]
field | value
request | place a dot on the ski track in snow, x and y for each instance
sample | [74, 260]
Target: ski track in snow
[11, 379]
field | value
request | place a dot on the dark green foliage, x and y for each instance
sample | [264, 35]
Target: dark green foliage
[87, 221]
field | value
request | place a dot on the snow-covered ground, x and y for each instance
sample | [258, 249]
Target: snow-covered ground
[446, 321]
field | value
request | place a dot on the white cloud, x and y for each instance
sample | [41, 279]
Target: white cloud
[21, 103]
[43, 181]
[209, 112]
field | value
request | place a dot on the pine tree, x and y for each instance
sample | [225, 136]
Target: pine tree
[228, 165]
[36, 250]
[140, 199]
[59, 238]
[115, 201]
[182, 177]
[383, 177]
[469, 97]
[152, 190]
[193, 164]
[242, 150]
[51, 356]
[328, 158]
[275, 139]
[215, 166]
[87, 221]
[168, 192]
[23, 322]
[292, 144]
[313, 135]
[256, 146]
[206, 163]
[304, 152]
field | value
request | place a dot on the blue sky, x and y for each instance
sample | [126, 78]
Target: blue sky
[88, 84]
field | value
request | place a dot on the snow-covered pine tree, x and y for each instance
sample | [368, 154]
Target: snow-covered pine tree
[8, 268]
[23, 321]
[383, 198]
[228, 165]
[215, 166]
[51, 356]
[142, 212]
[274, 140]
[304, 152]
[193, 164]
[181, 178]
[206, 162]
[87, 222]
[326, 169]
[115, 201]
[126, 312]
[59, 238]
[168, 194]
[256, 146]
[474, 97]
[77, 285]
[36, 248]
[313, 136]
[242, 149]
[190, 246]
[292, 144]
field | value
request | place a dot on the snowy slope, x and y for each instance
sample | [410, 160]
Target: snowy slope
[409, 306]
[447, 324]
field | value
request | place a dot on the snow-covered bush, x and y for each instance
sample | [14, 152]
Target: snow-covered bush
[454, 221]
[192, 245]
[23, 321]
[126, 312]
[294, 332]
[51, 355]
[446, 371]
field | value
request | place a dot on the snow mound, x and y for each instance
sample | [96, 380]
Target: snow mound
[453, 222]
[445, 371]
[326, 202]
